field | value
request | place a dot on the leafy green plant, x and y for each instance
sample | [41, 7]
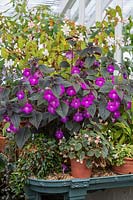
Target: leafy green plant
[3, 161]
[39, 158]
[119, 152]
[86, 144]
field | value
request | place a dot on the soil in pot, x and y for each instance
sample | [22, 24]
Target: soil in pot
[126, 168]
[80, 170]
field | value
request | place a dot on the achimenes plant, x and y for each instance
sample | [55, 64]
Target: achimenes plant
[59, 103]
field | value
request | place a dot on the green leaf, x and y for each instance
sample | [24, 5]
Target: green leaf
[36, 119]
[90, 153]
[4, 94]
[62, 110]
[89, 61]
[69, 125]
[15, 119]
[46, 70]
[97, 153]
[88, 163]
[97, 50]
[22, 136]
[71, 155]
[78, 146]
[84, 52]
[92, 110]
[64, 64]
[34, 96]
[106, 87]
[81, 155]
[56, 90]
[104, 113]
[4, 53]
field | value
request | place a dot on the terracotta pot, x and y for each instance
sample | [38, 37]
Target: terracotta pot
[126, 168]
[3, 142]
[79, 170]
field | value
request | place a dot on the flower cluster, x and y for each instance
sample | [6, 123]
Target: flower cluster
[60, 105]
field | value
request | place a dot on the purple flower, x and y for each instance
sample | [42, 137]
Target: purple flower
[91, 96]
[20, 95]
[110, 68]
[75, 103]
[78, 117]
[96, 63]
[75, 70]
[48, 95]
[112, 106]
[113, 94]
[64, 119]
[12, 128]
[125, 76]
[79, 63]
[62, 90]
[26, 72]
[55, 103]
[86, 114]
[100, 81]
[84, 86]
[129, 105]
[71, 91]
[113, 79]
[69, 55]
[38, 74]
[33, 80]
[27, 108]
[59, 134]
[86, 102]
[64, 168]
[51, 109]
[6, 118]
[116, 114]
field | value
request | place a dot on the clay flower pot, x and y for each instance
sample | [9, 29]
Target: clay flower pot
[3, 142]
[80, 170]
[126, 168]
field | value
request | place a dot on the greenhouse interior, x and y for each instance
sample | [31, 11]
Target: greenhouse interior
[66, 99]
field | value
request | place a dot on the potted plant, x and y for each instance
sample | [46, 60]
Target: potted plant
[84, 149]
[121, 158]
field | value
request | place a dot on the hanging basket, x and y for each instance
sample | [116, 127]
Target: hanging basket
[80, 170]
[126, 168]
